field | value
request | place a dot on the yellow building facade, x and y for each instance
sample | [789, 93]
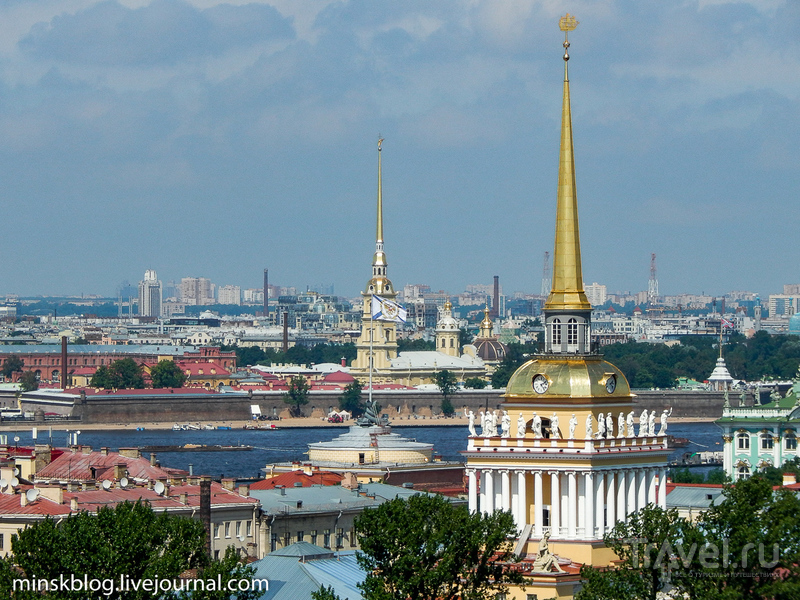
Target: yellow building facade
[569, 459]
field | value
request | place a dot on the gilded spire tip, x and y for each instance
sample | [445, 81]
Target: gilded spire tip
[567, 23]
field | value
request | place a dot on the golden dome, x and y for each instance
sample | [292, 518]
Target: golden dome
[586, 377]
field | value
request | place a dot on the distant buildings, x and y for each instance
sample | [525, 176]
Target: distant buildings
[196, 291]
[150, 295]
[230, 294]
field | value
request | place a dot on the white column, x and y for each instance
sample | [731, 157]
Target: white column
[662, 488]
[727, 454]
[611, 496]
[498, 491]
[538, 508]
[555, 502]
[641, 489]
[588, 490]
[482, 493]
[630, 479]
[600, 494]
[505, 490]
[515, 500]
[522, 500]
[572, 500]
[473, 490]
[622, 495]
[489, 505]
[651, 486]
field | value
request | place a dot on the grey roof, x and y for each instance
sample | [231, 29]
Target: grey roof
[317, 498]
[100, 349]
[694, 497]
[291, 579]
[304, 550]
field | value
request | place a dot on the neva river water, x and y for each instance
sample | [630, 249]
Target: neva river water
[291, 444]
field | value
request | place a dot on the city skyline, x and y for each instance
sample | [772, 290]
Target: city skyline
[244, 139]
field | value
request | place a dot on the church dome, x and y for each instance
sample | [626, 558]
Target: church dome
[568, 377]
[447, 322]
[491, 350]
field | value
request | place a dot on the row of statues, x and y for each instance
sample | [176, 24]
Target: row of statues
[605, 425]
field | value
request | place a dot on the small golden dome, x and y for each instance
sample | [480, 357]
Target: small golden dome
[568, 377]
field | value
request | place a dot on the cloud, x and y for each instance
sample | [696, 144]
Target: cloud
[162, 32]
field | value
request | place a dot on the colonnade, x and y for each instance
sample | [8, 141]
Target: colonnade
[580, 504]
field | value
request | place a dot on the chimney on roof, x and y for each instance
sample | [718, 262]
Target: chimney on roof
[23, 498]
[130, 452]
[73, 504]
[104, 450]
[86, 449]
[282, 489]
[153, 461]
[244, 490]
[205, 509]
[789, 479]
[183, 498]
[349, 481]
[228, 483]
[52, 492]
[42, 456]
[119, 470]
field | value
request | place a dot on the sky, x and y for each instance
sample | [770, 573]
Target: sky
[210, 139]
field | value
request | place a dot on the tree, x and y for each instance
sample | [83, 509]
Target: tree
[464, 337]
[324, 593]
[124, 373]
[297, 395]
[28, 381]
[127, 541]
[447, 383]
[13, 364]
[475, 383]
[646, 545]
[428, 549]
[166, 374]
[350, 400]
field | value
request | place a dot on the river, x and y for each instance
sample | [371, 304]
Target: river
[290, 444]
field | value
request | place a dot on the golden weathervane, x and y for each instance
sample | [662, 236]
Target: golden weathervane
[567, 23]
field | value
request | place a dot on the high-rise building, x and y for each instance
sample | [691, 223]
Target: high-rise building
[230, 294]
[150, 295]
[196, 291]
[596, 293]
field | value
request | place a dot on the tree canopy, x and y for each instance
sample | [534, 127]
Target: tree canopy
[745, 546]
[12, 364]
[124, 373]
[166, 374]
[298, 355]
[447, 383]
[297, 395]
[351, 400]
[428, 549]
[28, 382]
[128, 540]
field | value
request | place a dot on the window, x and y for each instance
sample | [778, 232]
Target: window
[791, 441]
[531, 597]
[300, 535]
[766, 441]
[556, 332]
[238, 529]
[249, 529]
[339, 537]
[314, 537]
[273, 542]
[227, 529]
[572, 332]
[2, 541]
[742, 472]
[287, 538]
[216, 532]
[326, 538]
[743, 441]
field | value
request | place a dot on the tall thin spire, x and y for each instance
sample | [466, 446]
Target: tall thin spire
[379, 233]
[379, 284]
[567, 280]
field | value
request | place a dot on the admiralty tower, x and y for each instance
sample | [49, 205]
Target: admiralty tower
[570, 458]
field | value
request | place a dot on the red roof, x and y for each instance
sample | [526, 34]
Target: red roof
[11, 504]
[289, 479]
[339, 377]
[79, 466]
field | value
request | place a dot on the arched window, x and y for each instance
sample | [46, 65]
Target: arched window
[556, 332]
[766, 441]
[572, 332]
[451, 343]
[443, 344]
[743, 472]
[743, 440]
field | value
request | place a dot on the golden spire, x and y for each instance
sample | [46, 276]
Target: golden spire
[379, 284]
[379, 235]
[567, 283]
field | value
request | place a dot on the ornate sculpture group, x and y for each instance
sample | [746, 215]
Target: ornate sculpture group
[605, 425]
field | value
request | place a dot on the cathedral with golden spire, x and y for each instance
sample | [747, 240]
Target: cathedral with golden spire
[568, 461]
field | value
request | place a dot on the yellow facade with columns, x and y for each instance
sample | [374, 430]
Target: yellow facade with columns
[571, 457]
